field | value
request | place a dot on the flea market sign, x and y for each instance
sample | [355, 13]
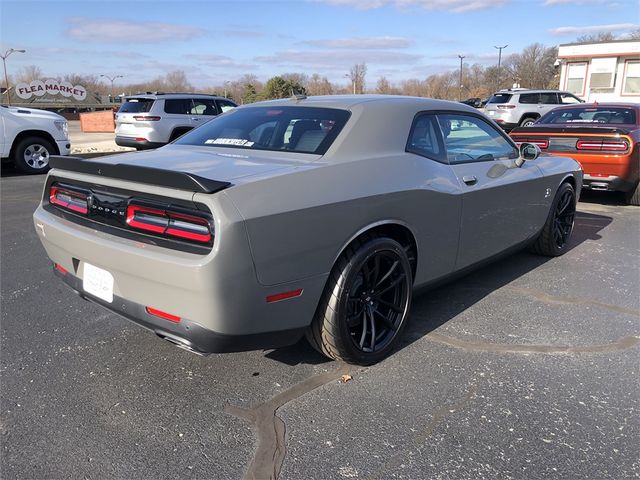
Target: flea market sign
[40, 88]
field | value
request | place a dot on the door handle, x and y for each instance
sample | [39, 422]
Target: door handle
[195, 118]
[469, 180]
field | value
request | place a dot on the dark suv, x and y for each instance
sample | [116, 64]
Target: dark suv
[154, 119]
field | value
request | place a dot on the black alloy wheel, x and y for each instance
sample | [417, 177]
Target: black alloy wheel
[554, 237]
[366, 302]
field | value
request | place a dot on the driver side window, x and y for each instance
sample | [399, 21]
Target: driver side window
[471, 139]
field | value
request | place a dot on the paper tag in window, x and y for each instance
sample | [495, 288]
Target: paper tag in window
[98, 282]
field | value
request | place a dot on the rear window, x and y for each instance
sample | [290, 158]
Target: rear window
[500, 98]
[294, 129]
[136, 105]
[593, 115]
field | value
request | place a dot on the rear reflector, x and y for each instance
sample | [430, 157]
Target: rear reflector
[146, 118]
[69, 199]
[284, 295]
[60, 268]
[159, 313]
[168, 222]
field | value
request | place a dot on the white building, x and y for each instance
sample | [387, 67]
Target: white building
[603, 72]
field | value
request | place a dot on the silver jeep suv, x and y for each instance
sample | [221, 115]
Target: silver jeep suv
[521, 107]
[154, 119]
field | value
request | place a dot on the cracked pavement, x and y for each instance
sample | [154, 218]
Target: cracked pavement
[527, 368]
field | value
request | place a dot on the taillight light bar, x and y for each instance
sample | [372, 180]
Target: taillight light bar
[600, 145]
[69, 200]
[505, 106]
[146, 118]
[168, 222]
[539, 142]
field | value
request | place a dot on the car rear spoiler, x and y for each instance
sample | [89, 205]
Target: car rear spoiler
[137, 173]
[578, 130]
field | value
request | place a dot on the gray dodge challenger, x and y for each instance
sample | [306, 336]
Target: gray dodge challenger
[309, 216]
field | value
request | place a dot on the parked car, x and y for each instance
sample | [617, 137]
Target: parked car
[29, 136]
[314, 216]
[603, 137]
[475, 102]
[521, 107]
[154, 119]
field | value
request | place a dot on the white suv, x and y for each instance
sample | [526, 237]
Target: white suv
[28, 136]
[154, 119]
[521, 107]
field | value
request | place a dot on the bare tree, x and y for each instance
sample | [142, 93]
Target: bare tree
[317, 85]
[29, 74]
[176, 81]
[357, 75]
[633, 35]
[596, 37]
[533, 67]
[384, 87]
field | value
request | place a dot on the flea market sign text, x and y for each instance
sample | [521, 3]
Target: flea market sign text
[39, 88]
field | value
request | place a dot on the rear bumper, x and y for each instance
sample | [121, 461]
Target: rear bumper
[135, 143]
[610, 183]
[186, 334]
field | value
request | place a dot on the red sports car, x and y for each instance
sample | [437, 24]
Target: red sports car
[603, 137]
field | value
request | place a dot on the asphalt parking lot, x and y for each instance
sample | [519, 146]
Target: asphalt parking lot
[527, 368]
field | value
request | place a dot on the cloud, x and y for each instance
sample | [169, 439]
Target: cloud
[615, 27]
[334, 60]
[243, 33]
[455, 6]
[363, 42]
[575, 2]
[222, 61]
[126, 31]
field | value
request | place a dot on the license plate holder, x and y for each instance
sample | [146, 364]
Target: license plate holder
[98, 282]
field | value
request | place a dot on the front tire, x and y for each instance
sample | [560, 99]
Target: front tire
[366, 301]
[555, 235]
[31, 155]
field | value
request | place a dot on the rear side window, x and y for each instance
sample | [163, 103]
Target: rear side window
[500, 98]
[549, 98]
[136, 105]
[529, 98]
[294, 129]
[203, 107]
[424, 138]
[181, 106]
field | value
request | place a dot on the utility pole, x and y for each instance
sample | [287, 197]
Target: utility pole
[499, 60]
[461, 57]
[112, 79]
[6, 77]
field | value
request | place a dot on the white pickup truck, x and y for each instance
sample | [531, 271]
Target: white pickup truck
[29, 136]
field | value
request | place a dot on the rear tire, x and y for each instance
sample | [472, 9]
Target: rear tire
[527, 121]
[632, 197]
[31, 155]
[366, 302]
[554, 237]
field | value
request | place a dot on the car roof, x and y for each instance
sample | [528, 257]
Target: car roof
[158, 95]
[348, 101]
[513, 92]
[601, 104]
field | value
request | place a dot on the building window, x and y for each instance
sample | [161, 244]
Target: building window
[631, 78]
[576, 74]
[602, 72]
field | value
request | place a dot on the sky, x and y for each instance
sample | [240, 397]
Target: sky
[218, 41]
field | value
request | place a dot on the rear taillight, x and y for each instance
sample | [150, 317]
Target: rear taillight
[505, 106]
[542, 143]
[69, 199]
[170, 223]
[146, 118]
[602, 145]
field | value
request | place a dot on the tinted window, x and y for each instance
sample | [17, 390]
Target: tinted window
[203, 107]
[567, 98]
[180, 106]
[500, 98]
[549, 98]
[529, 98]
[136, 105]
[295, 129]
[593, 115]
[468, 139]
[226, 105]
[424, 138]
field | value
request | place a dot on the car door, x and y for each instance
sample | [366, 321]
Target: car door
[548, 101]
[501, 202]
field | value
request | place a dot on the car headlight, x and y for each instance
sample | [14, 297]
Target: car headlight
[63, 126]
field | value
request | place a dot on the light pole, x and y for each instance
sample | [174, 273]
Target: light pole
[353, 82]
[6, 78]
[499, 60]
[112, 79]
[460, 57]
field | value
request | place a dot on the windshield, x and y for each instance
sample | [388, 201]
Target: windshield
[591, 115]
[294, 129]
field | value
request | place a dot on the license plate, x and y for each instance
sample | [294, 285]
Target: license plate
[98, 282]
[491, 112]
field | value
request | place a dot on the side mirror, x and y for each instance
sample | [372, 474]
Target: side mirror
[528, 151]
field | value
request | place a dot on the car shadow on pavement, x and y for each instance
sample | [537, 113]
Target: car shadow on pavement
[434, 307]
